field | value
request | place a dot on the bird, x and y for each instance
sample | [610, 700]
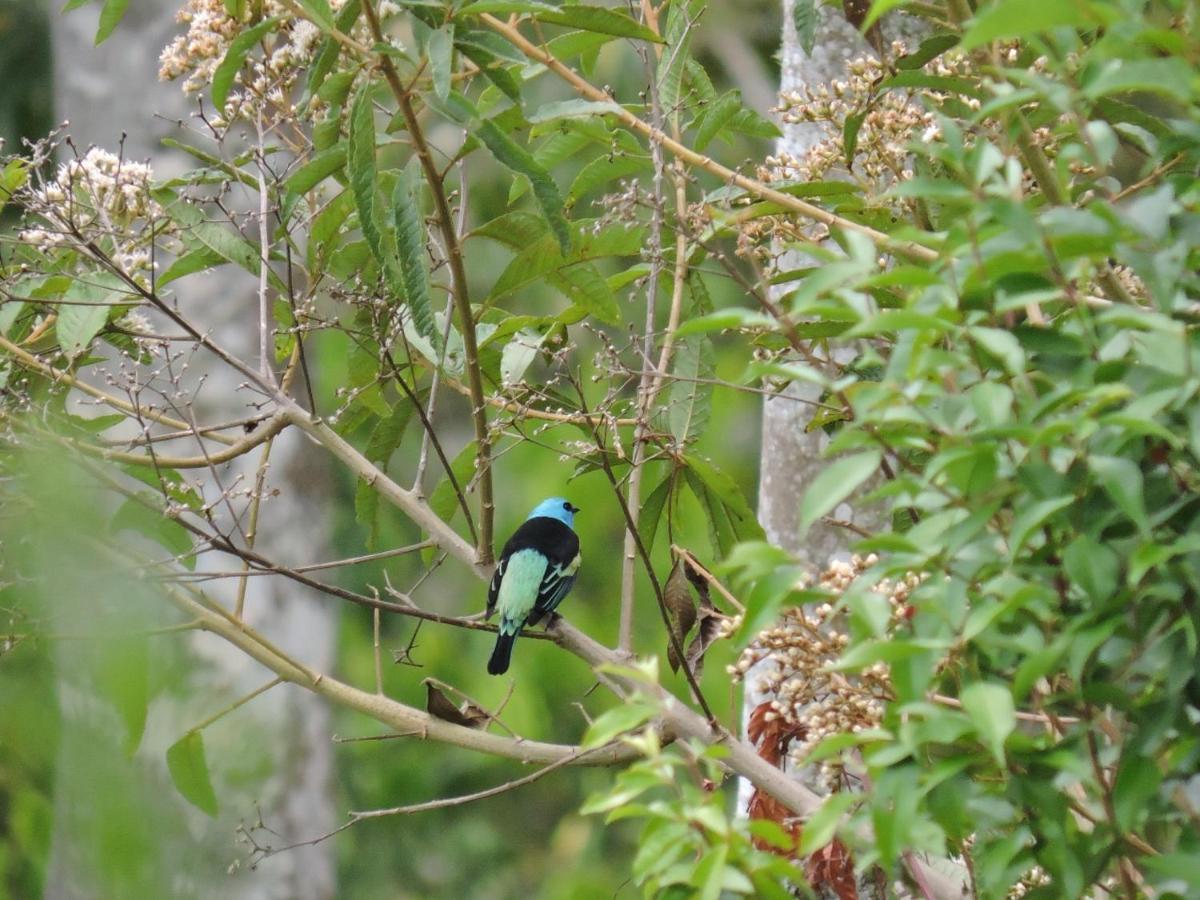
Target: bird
[535, 572]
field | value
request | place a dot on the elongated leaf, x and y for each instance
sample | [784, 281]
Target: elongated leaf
[360, 161]
[440, 50]
[1022, 18]
[690, 401]
[320, 13]
[1122, 479]
[110, 18]
[84, 312]
[330, 49]
[137, 516]
[804, 18]
[444, 500]
[189, 771]
[599, 19]
[652, 510]
[410, 244]
[317, 169]
[836, 482]
[673, 61]
[517, 159]
[235, 57]
[716, 117]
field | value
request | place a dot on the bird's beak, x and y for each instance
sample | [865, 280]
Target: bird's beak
[573, 509]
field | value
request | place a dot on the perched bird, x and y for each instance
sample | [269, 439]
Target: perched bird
[536, 570]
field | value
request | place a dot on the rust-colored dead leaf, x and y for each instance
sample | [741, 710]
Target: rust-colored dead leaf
[439, 706]
[831, 870]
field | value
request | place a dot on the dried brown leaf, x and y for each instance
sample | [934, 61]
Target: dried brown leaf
[439, 706]
[681, 612]
[710, 627]
[831, 870]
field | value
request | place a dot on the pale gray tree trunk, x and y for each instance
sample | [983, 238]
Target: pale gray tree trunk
[791, 454]
[272, 757]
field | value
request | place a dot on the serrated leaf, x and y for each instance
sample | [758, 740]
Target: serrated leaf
[690, 401]
[804, 18]
[366, 511]
[110, 17]
[517, 159]
[617, 721]
[715, 118]
[235, 58]
[189, 772]
[673, 61]
[835, 483]
[410, 245]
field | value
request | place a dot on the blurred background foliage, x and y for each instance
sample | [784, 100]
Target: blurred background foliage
[532, 842]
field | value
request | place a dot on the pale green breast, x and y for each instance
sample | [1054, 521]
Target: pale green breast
[519, 590]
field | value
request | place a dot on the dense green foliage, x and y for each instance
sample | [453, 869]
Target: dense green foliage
[1000, 229]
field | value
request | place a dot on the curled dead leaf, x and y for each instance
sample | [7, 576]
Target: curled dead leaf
[681, 612]
[438, 705]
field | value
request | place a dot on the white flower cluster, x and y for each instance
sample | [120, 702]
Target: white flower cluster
[102, 197]
[802, 647]
[266, 86]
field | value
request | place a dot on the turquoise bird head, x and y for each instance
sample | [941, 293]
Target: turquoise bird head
[556, 508]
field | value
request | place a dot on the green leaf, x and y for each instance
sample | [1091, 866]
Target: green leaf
[1001, 344]
[990, 709]
[1138, 780]
[331, 49]
[716, 117]
[617, 721]
[83, 313]
[517, 159]
[804, 18]
[110, 18]
[361, 163]
[652, 509]
[1093, 566]
[850, 131]
[1024, 18]
[320, 13]
[316, 170]
[690, 400]
[440, 50]
[444, 501]
[599, 19]
[366, 511]
[189, 263]
[410, 245]
[1030, 518]
[122, 676]
[518, 355]
[189, 771]
[673, 61]
[137, 516]
[235, 8]
[821, 826]
[235, 57]
[572, 109]
[1122, 479]
[835, 483]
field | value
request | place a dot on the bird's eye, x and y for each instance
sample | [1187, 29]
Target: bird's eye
[566, 506]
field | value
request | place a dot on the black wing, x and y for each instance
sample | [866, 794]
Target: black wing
[559, 544]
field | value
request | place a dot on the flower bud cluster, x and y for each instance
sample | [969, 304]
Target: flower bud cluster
[102, 198]
[803, 648]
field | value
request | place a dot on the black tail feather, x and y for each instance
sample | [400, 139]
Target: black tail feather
[498, 664]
